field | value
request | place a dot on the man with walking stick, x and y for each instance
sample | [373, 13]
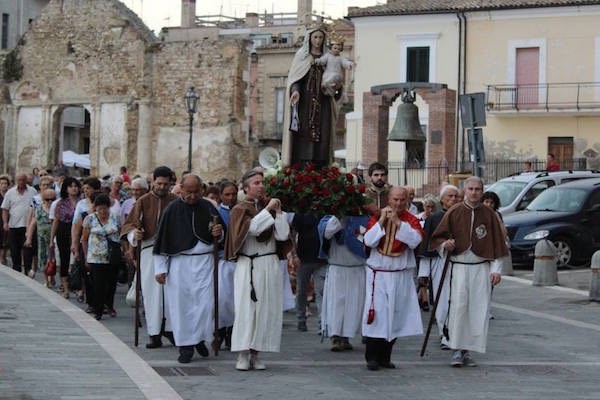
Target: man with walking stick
[184, 264]
[473, 235]
[140, 228]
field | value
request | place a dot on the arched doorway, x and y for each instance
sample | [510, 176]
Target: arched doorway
[71, 133]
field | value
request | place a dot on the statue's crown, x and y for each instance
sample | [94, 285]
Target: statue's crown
[317, 24]
[336, 38]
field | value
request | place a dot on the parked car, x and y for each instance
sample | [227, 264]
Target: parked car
[568, 215]
[517, 191]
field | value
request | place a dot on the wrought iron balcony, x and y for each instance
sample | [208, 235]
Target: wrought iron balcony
[545, 97]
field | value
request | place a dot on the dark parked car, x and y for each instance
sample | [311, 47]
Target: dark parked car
[568, 215]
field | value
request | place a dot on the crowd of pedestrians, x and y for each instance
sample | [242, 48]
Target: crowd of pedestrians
[372, 275]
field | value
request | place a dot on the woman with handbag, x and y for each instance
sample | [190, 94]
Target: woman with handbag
[61, 215]
[41, 220]
[100, 229]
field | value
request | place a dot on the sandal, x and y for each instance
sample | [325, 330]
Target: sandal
[80, 297]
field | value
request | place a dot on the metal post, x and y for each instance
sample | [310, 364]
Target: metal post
[189, 167]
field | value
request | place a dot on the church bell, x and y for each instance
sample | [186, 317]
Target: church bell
[407, 127]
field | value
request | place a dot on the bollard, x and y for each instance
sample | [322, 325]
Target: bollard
[507, 265]
[595, 283]
[544, 266]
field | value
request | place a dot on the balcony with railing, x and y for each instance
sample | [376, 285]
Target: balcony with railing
[556, 98]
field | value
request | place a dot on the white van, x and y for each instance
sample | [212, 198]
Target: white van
[518, 190]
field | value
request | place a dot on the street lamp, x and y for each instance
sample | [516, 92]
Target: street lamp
[191, 102]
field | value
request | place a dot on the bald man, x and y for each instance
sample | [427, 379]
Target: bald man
[391, 305]
[183, 262]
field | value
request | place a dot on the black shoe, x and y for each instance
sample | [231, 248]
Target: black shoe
[201, 349]
[228, 333]
[169, 336]
[185, 354]
[389, 365]
[372, 365]
[98, 317]
[302, 326]
[155, 342]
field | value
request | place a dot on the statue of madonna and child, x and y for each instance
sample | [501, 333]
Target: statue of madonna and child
[315, 88]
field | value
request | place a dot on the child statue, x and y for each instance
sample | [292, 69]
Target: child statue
[334, 63]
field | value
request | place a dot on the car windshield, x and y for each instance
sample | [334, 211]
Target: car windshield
[558, 199]
[507, 191]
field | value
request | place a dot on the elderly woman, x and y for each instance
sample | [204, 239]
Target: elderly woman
[428, 208]
[41, 220]
[99, 228]
[313, 113]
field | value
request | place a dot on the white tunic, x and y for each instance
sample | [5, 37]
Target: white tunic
[396, 305]
[470, 292]
[189, 288]
[431, 267]
[344, 292]
[226, 297]
[289, 301]
[258, 324]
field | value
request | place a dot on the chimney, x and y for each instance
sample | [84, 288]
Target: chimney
[304, 12]
[251, 20]
[188, 13]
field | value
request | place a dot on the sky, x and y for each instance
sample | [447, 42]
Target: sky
[159, 13]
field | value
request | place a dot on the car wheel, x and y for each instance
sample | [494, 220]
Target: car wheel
[564, 251]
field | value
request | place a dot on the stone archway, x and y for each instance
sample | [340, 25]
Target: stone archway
[71, 130]
[441, 132]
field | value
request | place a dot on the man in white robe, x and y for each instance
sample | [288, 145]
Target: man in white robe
[141, 226]
[183, 262]
[475, 238]
[251, 240]
[344, 292]
[391, 305]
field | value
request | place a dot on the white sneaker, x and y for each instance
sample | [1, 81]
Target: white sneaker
[256, 363]
[243, 361]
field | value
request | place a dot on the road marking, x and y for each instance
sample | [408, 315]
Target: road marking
[550, 317]
[150, 383]
[557, 288]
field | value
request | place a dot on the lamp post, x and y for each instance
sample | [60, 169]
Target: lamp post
[191, 102]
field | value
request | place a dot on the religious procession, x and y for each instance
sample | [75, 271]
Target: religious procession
[211, 266]
[212, 263]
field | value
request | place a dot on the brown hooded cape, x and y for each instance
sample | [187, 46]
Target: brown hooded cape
[239, 223]
[486, 238]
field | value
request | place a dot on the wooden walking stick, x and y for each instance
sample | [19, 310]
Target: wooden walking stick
[138, 287]
[435, 303]
[216, 344]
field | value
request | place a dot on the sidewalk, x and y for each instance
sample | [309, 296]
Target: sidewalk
[51, 349]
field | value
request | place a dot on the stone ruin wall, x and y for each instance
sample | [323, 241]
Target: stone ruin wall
[95, 54]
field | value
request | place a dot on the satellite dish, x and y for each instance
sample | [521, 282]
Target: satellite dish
[268, 157]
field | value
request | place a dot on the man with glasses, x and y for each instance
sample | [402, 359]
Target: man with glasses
[139, 187]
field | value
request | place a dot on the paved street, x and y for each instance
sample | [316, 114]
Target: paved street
[543, 344]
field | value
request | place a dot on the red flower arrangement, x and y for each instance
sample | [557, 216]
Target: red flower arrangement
[304, 189]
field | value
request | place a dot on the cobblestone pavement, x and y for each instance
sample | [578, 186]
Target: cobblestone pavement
[543, 343]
